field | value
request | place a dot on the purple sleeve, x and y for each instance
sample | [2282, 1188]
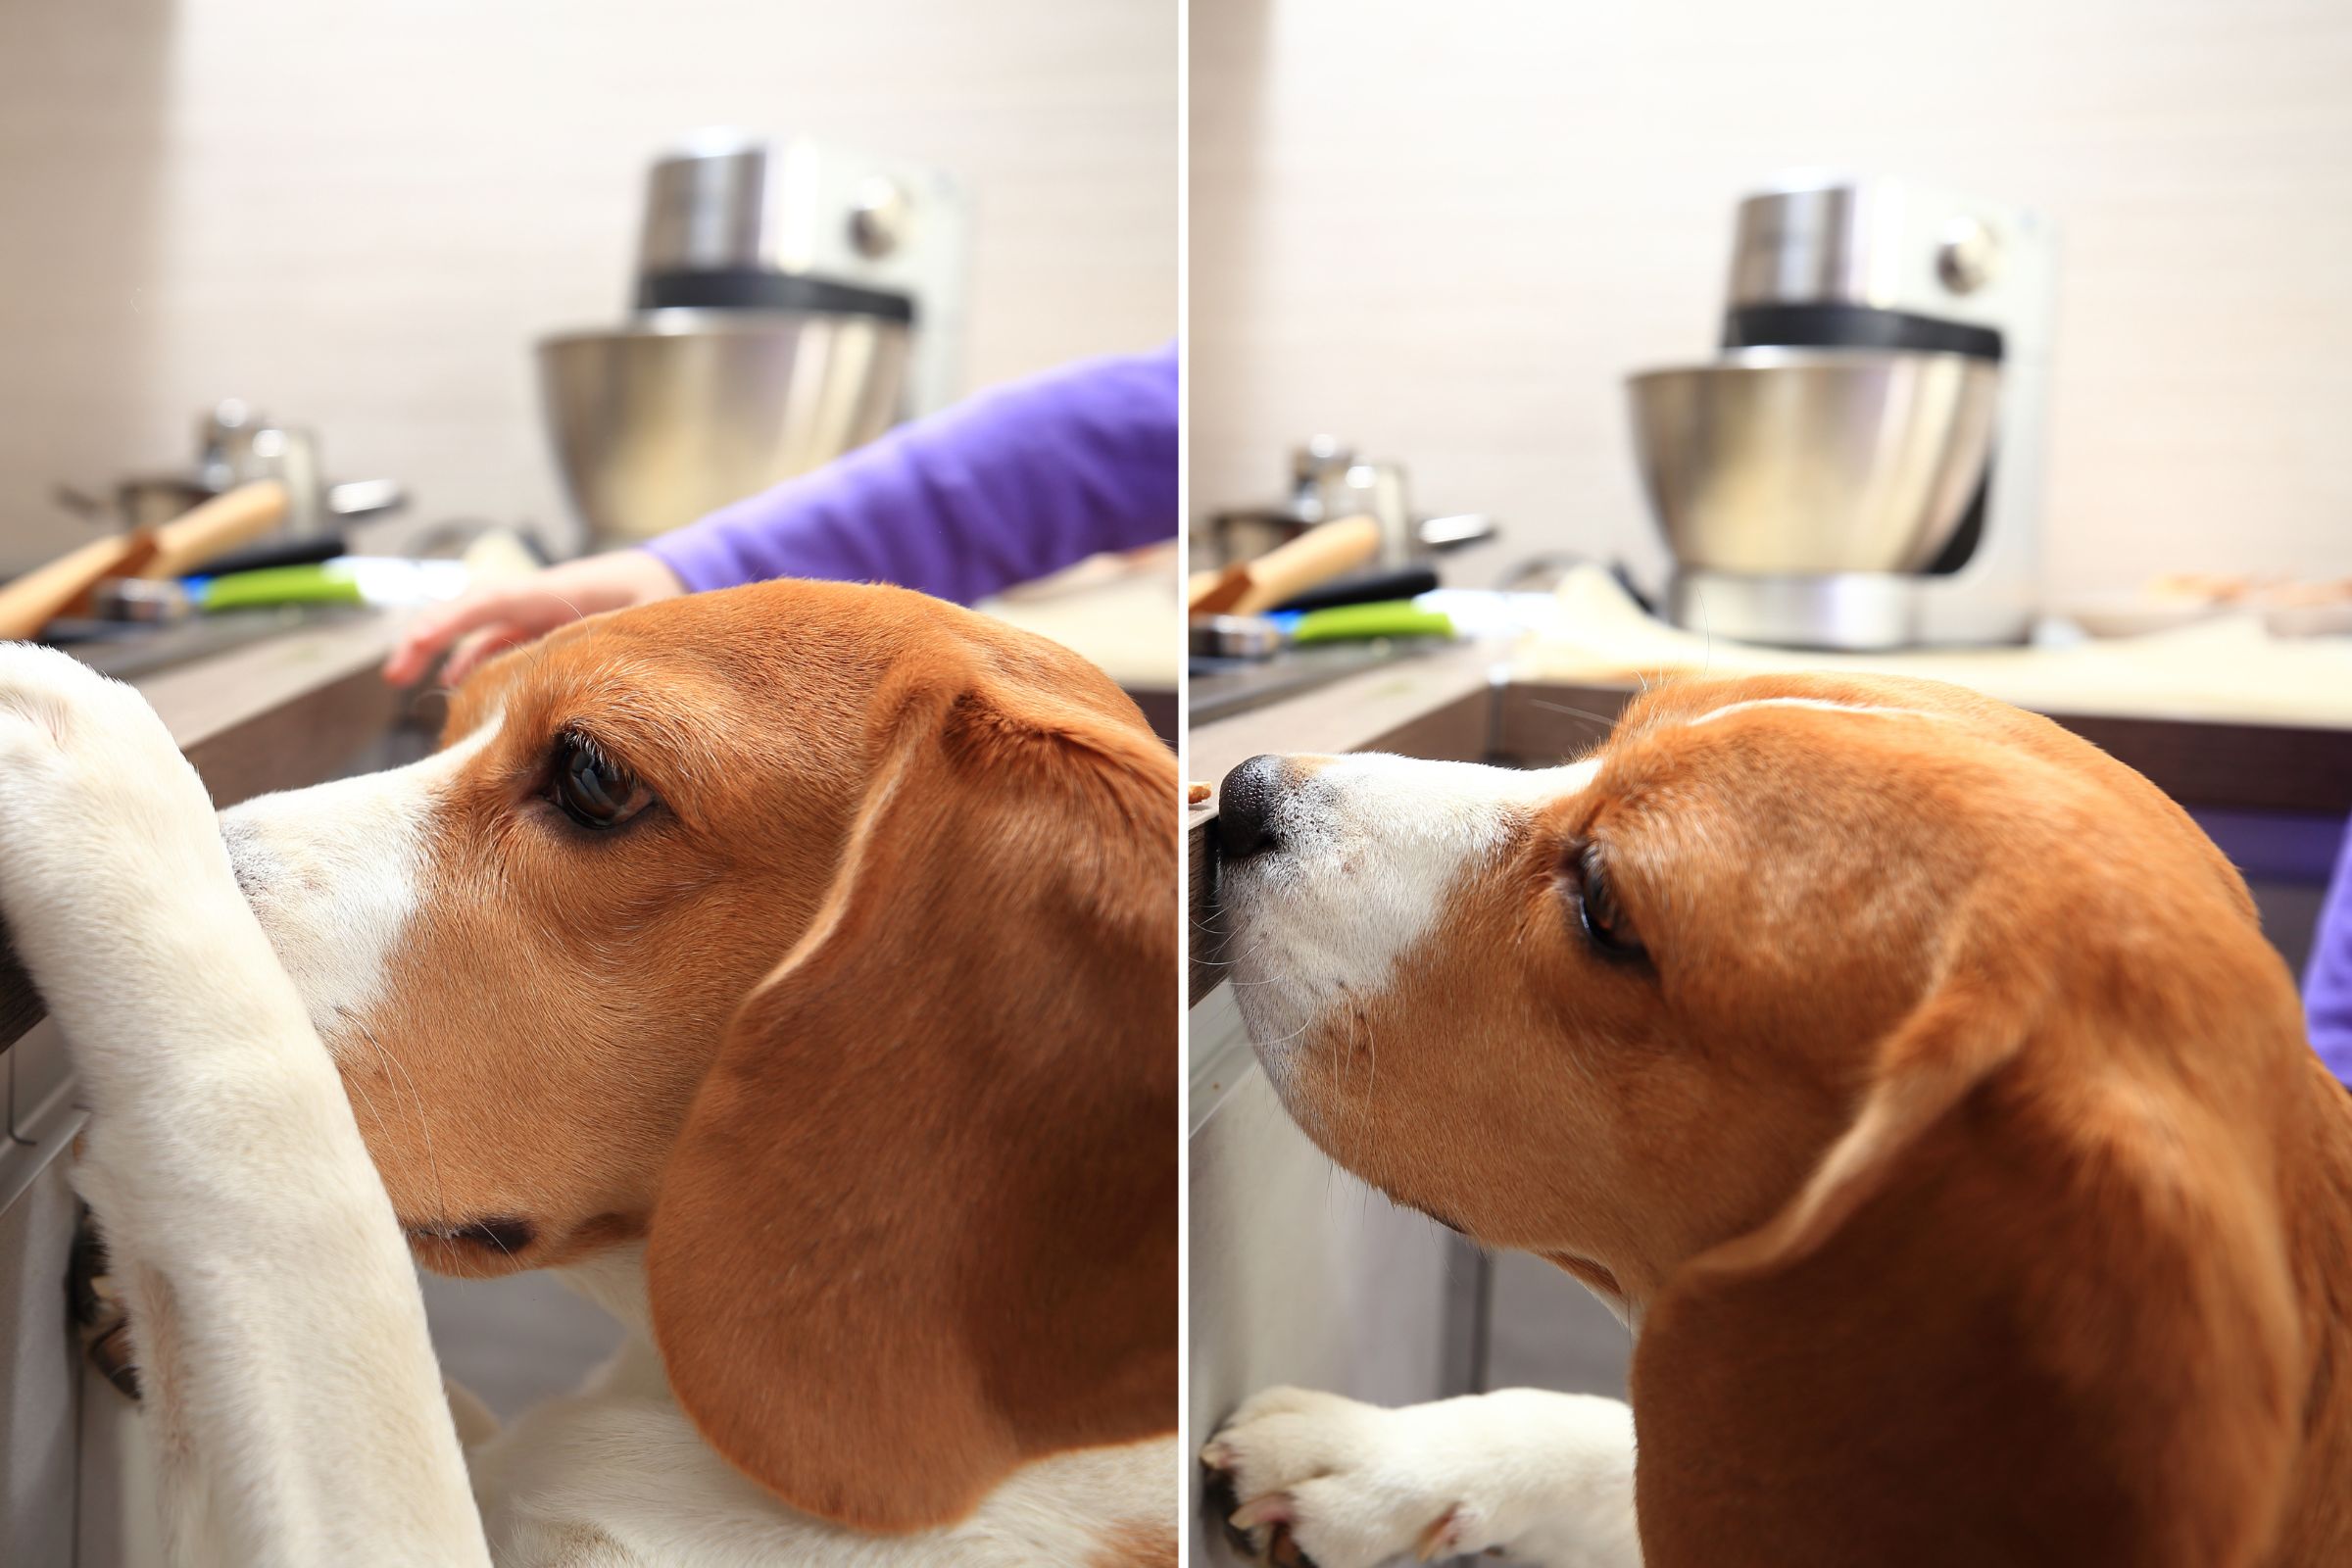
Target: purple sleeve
[1003, 487]
[2327, 981]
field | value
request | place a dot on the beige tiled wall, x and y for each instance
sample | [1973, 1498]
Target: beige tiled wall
[1447, 230]
[360, 214]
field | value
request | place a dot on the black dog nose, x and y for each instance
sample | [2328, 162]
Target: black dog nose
[1246, 807]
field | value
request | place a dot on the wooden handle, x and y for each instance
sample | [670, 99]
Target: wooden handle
[1315, 557]
[181, 545]
[238, 516]
[1209, 593]
[43, 594]
[1249, 587]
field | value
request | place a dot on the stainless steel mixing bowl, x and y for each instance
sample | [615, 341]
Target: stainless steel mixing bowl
[682, 412]
[1794, 461]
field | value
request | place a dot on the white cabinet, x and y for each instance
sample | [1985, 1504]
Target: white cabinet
[39, 1361]
[1300, 1273]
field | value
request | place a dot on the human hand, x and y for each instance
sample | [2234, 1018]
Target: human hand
[490, 620]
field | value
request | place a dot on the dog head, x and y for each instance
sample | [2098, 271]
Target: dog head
[1800, 1013]
[821, 938]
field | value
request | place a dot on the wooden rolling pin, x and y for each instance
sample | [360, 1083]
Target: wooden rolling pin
[1251, 587]
[180, 546]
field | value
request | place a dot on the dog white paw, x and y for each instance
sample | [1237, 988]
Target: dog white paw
[1544, 1477]
[1333, 1481]
[100, 816]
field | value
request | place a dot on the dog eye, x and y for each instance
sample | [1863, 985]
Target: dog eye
[591, 788]
[1606, 924]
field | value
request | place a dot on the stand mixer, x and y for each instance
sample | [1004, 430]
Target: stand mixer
[1861, 469]
[791, 300]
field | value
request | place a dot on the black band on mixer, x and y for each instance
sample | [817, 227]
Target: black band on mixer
[755, 289]
[1853, 327]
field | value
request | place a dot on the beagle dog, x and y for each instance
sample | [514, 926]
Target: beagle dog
[1909, 1075]
[791, 969]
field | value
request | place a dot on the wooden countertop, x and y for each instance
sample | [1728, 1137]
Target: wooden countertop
[272, 714]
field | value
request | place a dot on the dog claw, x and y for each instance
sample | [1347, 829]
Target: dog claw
[1442, 1537]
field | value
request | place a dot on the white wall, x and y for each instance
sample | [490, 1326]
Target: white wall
[1446, 231]
[360, 214]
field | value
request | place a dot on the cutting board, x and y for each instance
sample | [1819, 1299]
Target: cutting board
[2226, 670]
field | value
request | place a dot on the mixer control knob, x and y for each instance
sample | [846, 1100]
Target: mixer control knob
[1968, 256]
[879, 218]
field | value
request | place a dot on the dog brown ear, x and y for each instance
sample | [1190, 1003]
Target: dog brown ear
[2024, 1310]
[1967, 1029]
[920, 1225]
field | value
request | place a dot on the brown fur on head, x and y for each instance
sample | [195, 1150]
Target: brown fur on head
[864, 1022]
[1920, 1099]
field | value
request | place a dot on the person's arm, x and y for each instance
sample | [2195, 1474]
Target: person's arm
[2328, 980]
[1009, 486]
[1004, 487]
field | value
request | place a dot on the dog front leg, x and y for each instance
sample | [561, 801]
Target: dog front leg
[274, 1310]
